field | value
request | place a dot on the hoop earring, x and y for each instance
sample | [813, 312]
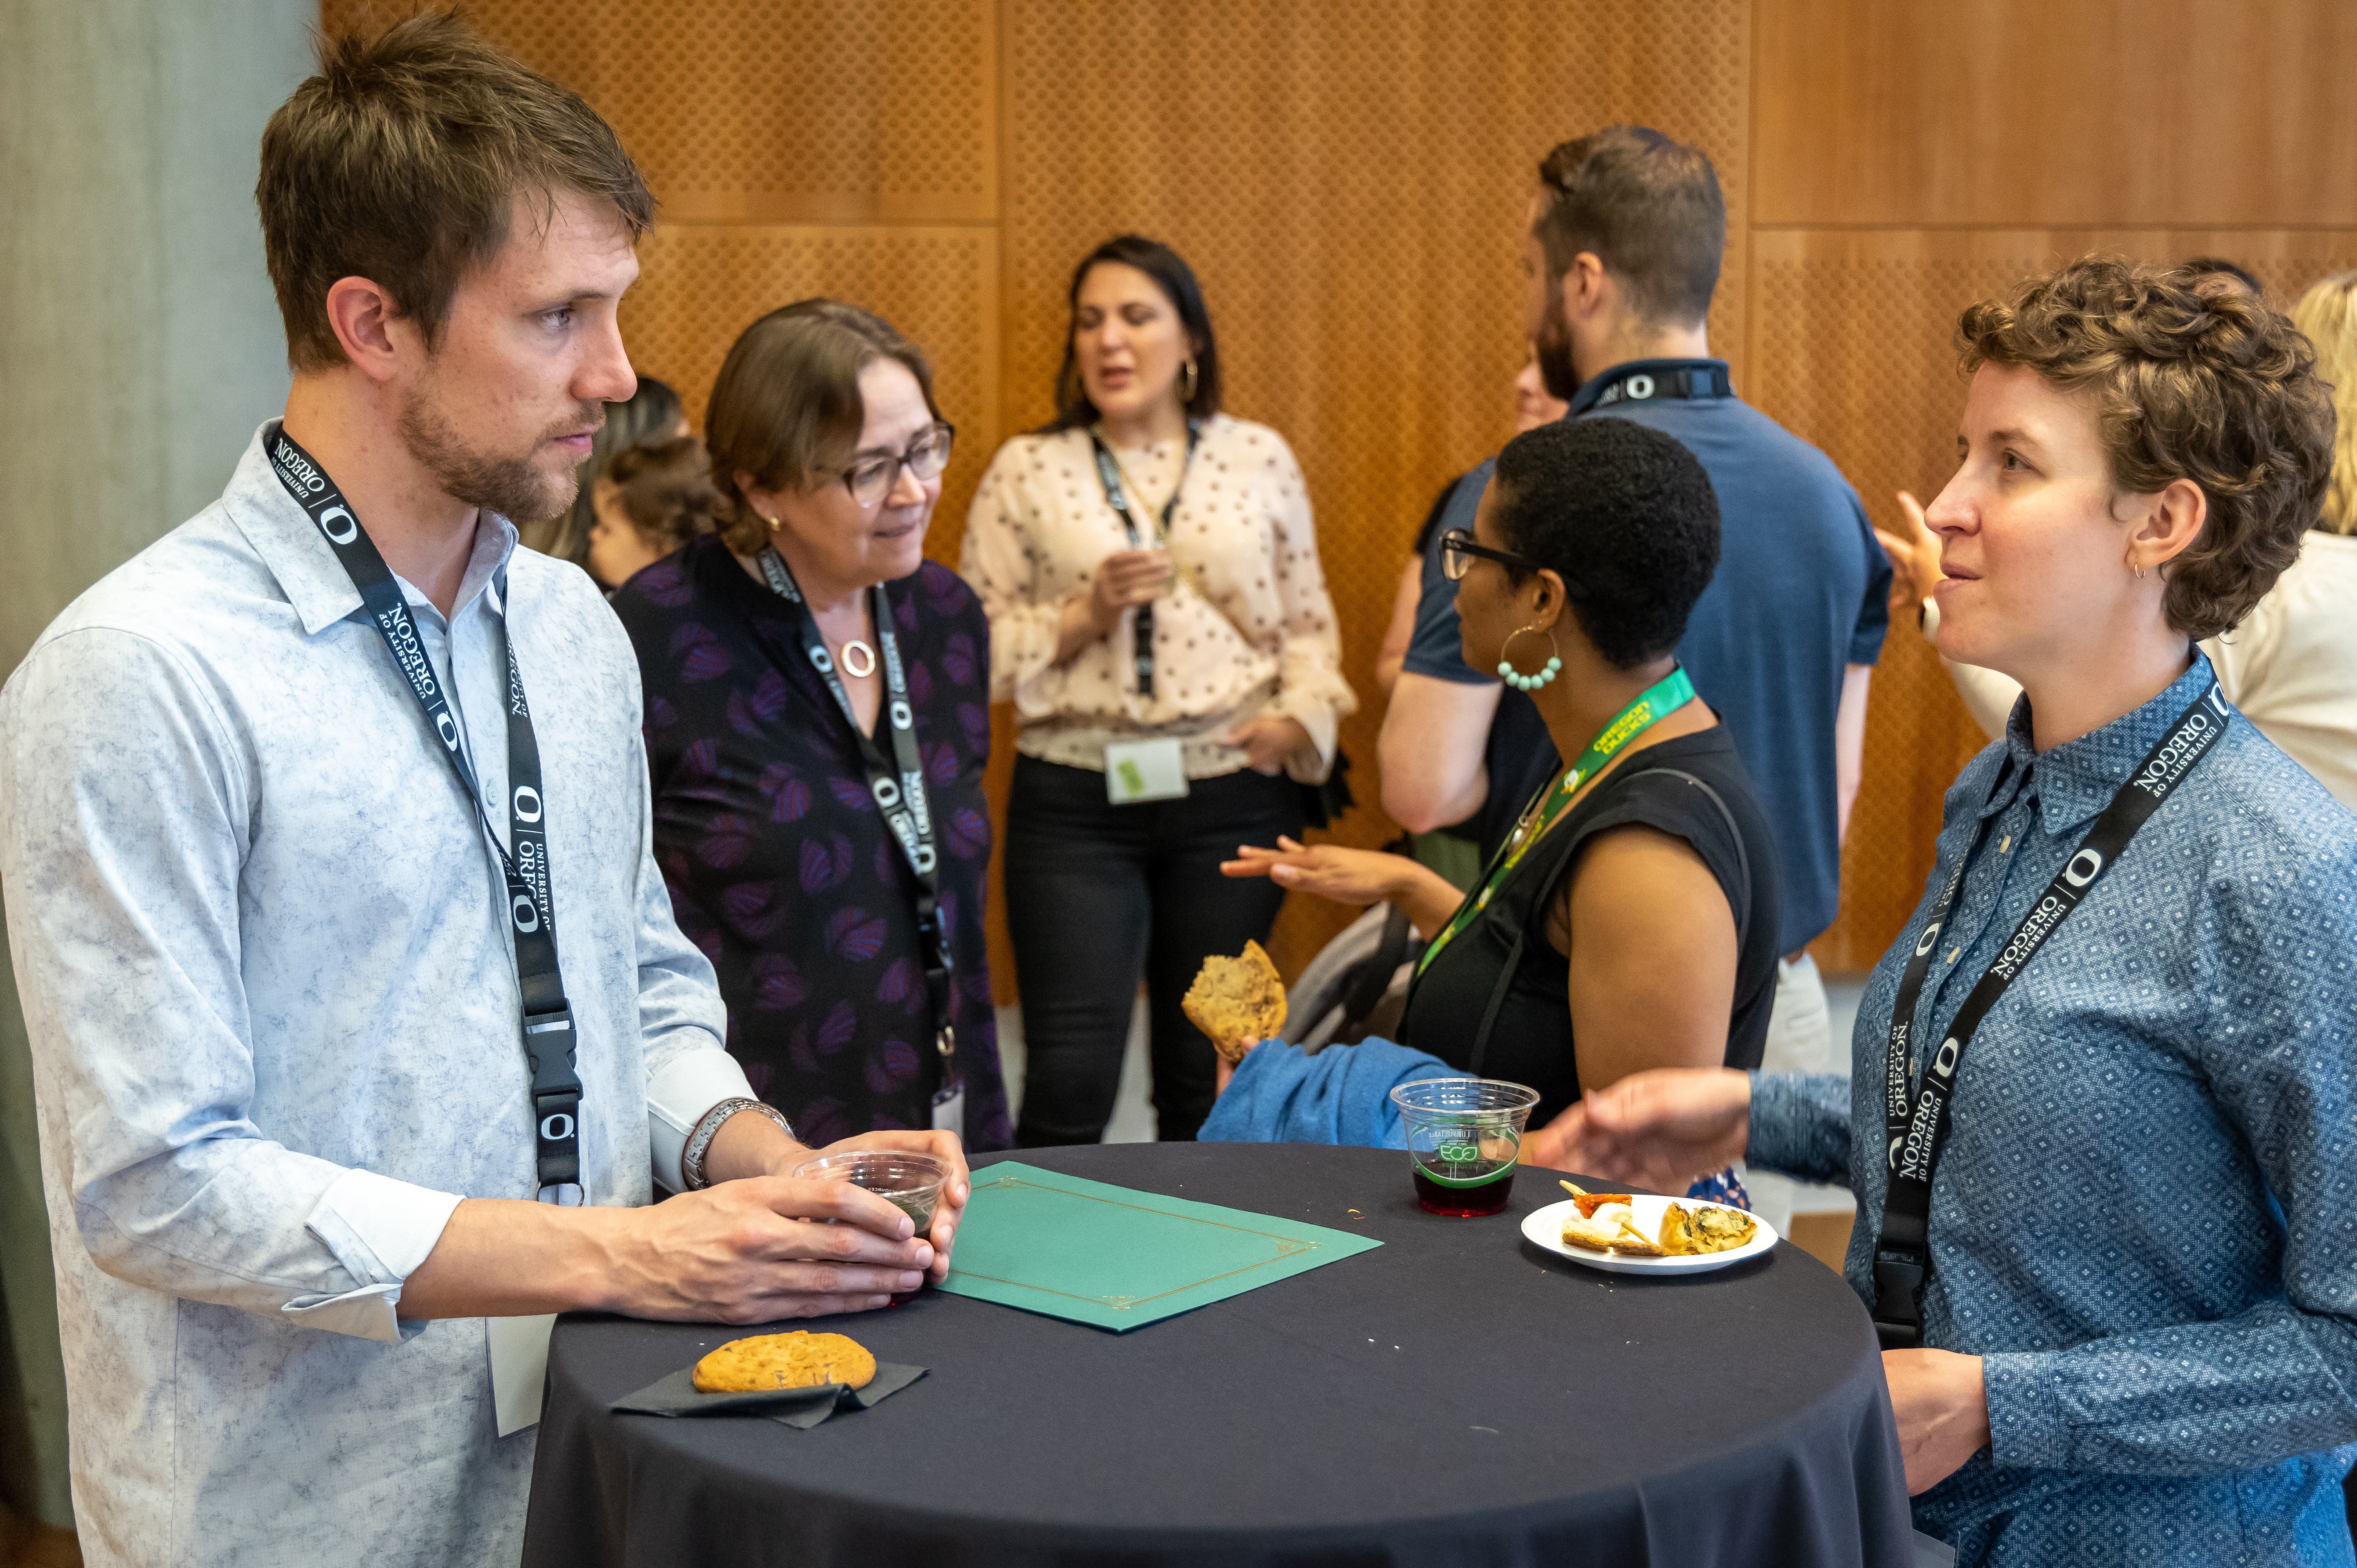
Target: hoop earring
[2139, 572]
[1188, 378]
[1516, 678]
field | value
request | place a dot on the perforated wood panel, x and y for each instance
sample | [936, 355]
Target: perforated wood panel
[749, 111]
[1851, 338]
[1349, 180]
[700, 285]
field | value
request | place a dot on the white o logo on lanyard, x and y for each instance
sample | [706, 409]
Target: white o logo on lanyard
[1640, 387]
[2085, 867]
[887, 793]
[902, 717]
[525, 814]
[556, 1127]
[923, 855]
[823, 660]
[1931, 935]
[1944, 1064]
[525, 913]
[1894, 1151]
[343, 535]
[447, 728]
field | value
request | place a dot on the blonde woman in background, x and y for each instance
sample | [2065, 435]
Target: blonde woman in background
[1175, 672]
[2291, 666]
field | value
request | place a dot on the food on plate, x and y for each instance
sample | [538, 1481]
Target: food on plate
[1590, 1202]
[1238, 1001]
[1611, 1228]
[1710, 1229]
[796, 1361]
[1606, 1223]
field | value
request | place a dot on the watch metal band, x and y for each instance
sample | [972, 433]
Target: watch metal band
[699, 1142]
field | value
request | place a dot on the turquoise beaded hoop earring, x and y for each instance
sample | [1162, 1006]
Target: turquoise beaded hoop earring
[1516, 678]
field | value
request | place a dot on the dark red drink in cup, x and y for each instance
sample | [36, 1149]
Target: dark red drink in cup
[1464, 1136]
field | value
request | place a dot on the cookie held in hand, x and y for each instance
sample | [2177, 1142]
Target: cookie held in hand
[1238, 1001]
[796, 1361]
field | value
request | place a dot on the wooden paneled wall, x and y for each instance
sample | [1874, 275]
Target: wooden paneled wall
[1349, 178]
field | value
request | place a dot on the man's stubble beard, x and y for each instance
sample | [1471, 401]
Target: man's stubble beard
[515, 488]
[1551, 343]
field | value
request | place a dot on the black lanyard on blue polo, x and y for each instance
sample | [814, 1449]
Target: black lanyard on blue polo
[1117, 496]
[897, 782]
[1917, 1128]
[548, 1034]
[1642, 380]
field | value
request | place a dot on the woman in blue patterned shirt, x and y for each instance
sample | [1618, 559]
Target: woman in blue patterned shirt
[2137, 1337]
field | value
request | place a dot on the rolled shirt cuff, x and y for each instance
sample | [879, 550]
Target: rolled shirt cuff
[380, 1230]
[677, 1097]
[2026, 1426]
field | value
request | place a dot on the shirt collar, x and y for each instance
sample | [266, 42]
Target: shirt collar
[305, 566]
[2078, 779]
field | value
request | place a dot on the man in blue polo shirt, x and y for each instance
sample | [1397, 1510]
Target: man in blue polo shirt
[1622, 255]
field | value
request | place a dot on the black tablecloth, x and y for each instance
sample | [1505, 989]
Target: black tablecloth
[1453, 1397]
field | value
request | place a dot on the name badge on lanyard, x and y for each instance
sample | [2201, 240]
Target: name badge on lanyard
[548, 1033]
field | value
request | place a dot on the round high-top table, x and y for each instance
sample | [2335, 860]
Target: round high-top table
[1453, 1397]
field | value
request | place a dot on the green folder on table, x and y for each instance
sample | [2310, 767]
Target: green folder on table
[1118, 1258]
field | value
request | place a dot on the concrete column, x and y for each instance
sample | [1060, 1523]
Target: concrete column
[139, 346]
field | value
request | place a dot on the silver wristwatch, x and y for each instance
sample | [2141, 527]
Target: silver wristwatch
[691, 1158]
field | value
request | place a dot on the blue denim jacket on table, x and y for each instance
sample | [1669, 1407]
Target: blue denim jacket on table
[2145, 1219]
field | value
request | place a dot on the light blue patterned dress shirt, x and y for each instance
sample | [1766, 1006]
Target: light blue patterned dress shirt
[2146, 1215]
[261, 942]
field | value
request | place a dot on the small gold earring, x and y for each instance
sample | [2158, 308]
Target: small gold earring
[1187, 375]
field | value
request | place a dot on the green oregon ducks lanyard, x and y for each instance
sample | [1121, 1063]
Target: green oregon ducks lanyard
[1673, 692]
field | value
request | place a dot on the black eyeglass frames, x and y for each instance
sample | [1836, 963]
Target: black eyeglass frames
[1457, 550]
[870, 479]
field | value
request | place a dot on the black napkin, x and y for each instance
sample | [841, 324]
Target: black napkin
[805, 1407]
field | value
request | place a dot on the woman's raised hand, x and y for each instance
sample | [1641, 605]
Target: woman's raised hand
[1124, 579]
[1914, 555]
[1356, 877]
[1659, 1129]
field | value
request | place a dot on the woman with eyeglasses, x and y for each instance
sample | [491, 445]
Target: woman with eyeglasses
[1629, 921]
[1160, 621]
[817, 723]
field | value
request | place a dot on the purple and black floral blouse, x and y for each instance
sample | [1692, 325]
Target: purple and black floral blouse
[781, 869]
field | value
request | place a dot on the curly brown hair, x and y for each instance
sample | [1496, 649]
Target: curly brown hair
[2215, 389]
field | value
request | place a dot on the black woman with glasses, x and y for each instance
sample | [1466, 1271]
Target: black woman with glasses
[817, 723]
[1629, 920]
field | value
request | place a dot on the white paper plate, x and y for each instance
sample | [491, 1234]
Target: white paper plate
[1544, 1227]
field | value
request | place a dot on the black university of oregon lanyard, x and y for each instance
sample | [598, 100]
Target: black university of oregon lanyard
[548, 1034]
[1641, 381]
[1117, 496]
[1917, 1127]
[897, 784]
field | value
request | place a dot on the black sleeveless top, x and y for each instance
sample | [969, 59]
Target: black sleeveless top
[1496, 1003]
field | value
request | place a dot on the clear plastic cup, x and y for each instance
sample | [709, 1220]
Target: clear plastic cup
[910, 1183]
[1464, 1135]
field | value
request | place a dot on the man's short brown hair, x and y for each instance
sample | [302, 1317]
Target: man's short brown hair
[401, 162]
[786, 407]
[2216, 389]
[1650, 209]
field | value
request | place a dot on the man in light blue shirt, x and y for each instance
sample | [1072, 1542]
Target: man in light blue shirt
[260, 924]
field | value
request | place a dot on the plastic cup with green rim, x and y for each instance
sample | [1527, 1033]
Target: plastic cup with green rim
[1464, 1135]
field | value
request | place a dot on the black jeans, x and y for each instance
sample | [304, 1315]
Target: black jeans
[1097, 894]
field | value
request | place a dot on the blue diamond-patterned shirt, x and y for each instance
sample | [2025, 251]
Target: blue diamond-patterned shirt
[2145, 1219]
